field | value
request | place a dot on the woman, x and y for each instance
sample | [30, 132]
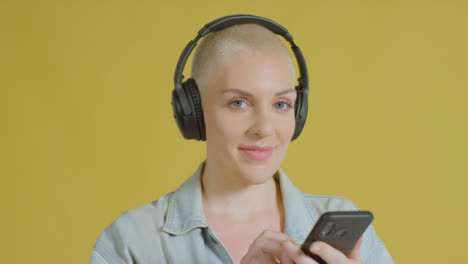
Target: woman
[238, 207]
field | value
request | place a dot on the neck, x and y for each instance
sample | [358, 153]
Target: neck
[225, 194]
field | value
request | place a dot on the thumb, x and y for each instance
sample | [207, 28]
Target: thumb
[355, 253]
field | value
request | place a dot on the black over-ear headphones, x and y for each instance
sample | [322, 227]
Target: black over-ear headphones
[186, 102]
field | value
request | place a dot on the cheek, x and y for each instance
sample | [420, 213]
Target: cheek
[285, 134]
[287, 130]
[223, 127]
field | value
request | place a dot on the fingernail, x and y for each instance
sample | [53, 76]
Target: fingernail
[315, 248]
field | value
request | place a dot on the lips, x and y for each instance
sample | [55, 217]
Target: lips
[257, 152]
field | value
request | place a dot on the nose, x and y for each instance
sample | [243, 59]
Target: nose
[262, 123]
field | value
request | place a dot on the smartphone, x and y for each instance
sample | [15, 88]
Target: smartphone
[339, 229]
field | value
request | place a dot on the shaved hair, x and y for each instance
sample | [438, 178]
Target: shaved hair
[214, 49]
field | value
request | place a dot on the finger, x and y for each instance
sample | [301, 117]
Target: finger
[265, 247]
[356, 253]
[263, 259]
[328, 253]
[286, 252]
[285, 259]
[295, 254]
[275, 236]
[303, 259]
[267, 244]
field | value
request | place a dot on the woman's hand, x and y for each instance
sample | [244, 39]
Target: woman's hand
[273, 247]
[332, 255]
[267, 248]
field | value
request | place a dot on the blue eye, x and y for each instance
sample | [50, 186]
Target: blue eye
[238, 103]
[282, 105]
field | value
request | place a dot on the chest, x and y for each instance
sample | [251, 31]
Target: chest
[237, 235]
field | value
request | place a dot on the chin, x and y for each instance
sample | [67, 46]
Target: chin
[258, 173]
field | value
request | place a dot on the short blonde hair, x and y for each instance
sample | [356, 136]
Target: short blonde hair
[212, 48]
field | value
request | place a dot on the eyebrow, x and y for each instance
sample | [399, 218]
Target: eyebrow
[245, 93]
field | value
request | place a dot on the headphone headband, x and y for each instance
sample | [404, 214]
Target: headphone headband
[227, 21]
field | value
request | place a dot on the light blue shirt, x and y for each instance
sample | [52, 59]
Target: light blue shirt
[173, 229]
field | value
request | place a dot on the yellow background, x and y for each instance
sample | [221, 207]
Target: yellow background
[87, 130]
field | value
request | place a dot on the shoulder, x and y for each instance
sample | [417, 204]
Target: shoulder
[316, 205]
[136, 228]
[148, 215]
[321, 203]
[140, 220]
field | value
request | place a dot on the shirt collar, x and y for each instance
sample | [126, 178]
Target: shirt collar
[185, 209]
[299, 215]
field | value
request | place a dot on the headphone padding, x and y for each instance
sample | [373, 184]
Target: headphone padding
[192, 89]
[297, 114]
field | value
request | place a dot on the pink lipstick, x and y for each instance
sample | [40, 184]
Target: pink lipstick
[257, 152]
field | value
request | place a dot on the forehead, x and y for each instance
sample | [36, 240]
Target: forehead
[267, 73]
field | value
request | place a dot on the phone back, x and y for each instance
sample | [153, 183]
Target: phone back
[340, 229]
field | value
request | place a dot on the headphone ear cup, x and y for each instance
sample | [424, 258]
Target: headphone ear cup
[300, 120]
[297, 105]
[182, 112]
[193, 93]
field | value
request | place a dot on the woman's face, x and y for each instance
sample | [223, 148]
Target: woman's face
[249, 116]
